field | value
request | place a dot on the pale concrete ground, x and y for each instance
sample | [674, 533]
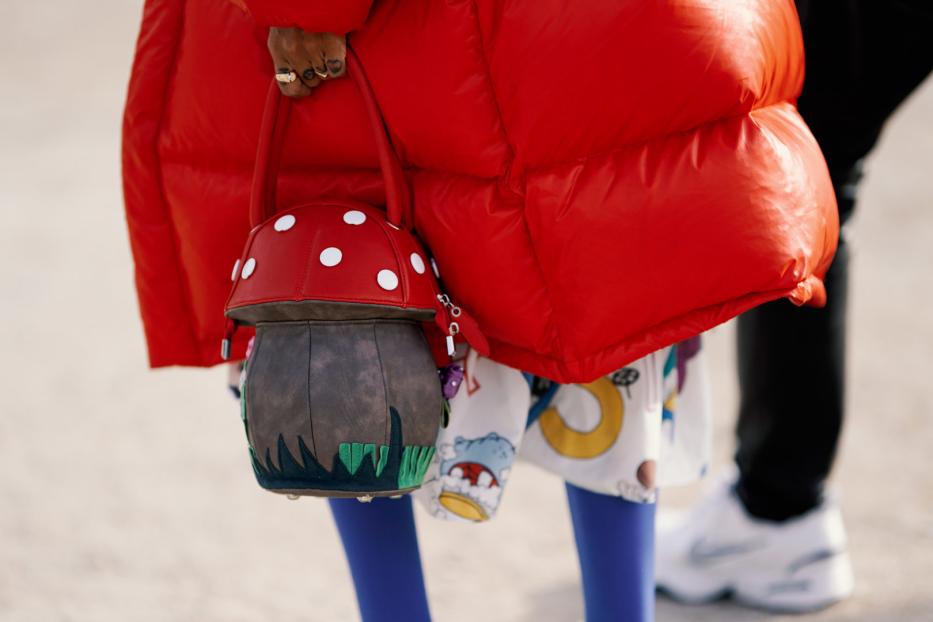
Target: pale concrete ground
[125, 495]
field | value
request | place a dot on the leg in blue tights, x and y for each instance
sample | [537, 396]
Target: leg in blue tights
[615, 543]
[382, 549]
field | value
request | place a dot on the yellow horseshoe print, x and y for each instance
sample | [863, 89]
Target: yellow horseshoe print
[463, 506]
[575, 444]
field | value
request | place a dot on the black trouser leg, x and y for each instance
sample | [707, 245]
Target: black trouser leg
[864, 57]
[791, 371]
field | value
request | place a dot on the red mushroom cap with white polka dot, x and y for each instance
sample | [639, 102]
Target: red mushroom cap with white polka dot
[353, 265]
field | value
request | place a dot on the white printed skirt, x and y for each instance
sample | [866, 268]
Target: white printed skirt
[626, 434]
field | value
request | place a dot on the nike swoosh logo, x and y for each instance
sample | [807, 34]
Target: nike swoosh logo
[811, 558]
[703, 552]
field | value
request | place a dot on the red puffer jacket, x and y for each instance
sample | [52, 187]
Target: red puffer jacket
[596, 179]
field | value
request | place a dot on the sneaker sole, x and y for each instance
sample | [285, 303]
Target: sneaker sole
[829, 582]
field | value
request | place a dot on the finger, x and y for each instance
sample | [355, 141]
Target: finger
[282, 48]
[310, 77]
[292, 89]
[296, 89]
[335, 54]
[313, 69]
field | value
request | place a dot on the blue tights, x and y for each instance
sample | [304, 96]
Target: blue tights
[615, 543]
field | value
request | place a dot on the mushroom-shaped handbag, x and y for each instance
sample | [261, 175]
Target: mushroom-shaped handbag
[341, 395]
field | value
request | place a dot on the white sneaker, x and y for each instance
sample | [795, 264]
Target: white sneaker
[718, 549]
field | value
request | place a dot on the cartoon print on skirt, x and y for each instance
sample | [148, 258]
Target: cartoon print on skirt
[626, 434]
[476, 450]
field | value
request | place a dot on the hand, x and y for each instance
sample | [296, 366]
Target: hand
[313, 56]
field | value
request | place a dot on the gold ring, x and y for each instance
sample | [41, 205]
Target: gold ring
[286, 77]
[321, 74]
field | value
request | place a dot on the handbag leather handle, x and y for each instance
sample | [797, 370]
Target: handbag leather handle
[272, 137]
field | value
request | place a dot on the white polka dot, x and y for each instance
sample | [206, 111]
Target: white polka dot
[437, 272]
[417, 263]
[354, 217]
[236, 270]
[284, 223]
[331, 256]
[248, 268]
[387, 280]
